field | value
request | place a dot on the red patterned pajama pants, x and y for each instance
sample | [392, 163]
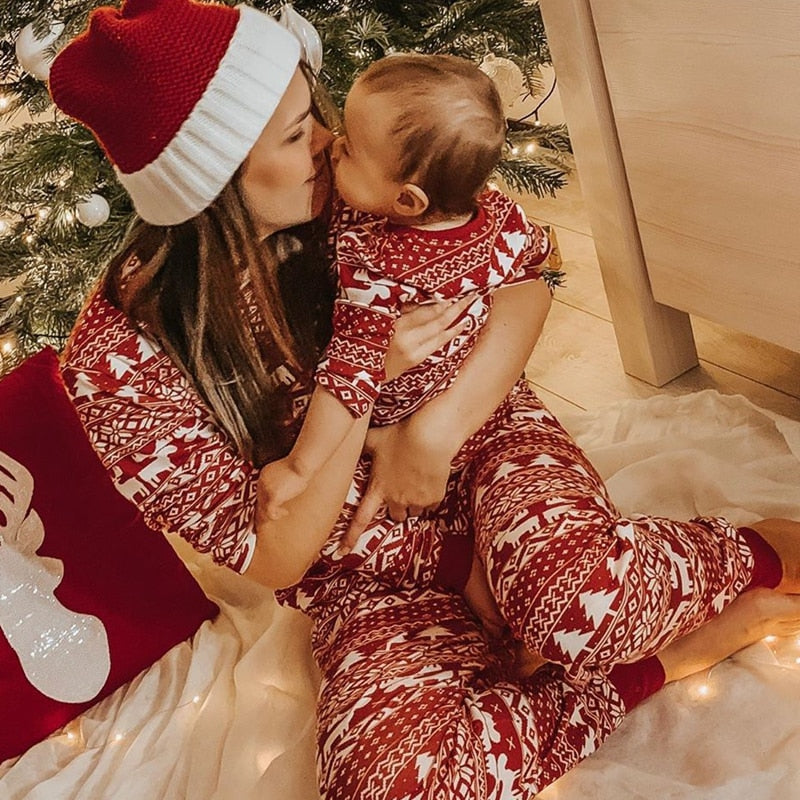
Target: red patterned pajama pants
[413, 702]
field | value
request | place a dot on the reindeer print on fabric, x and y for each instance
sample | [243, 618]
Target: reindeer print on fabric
[64, 654]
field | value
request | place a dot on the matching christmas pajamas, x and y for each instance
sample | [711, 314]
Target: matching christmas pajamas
[381, 266]
[414, 702]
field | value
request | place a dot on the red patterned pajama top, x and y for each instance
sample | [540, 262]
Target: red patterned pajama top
[413, 703]
[159, 443]
[382, 265]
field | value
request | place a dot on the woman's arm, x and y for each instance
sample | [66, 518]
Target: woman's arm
[286, 547]
[411, 460]
[492, 368]
[325, 427]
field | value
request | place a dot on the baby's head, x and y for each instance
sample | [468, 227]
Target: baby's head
[423, 135]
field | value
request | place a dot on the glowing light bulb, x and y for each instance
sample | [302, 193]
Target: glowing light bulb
[69, 216]
[8, 348]
[30, 239]
[515, 151]
[43, 213]
[702, 691]
[531, 148]
[4, 102]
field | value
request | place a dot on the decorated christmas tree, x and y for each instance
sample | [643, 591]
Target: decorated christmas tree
[62, 211]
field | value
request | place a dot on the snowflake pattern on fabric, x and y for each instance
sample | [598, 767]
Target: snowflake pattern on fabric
[381, 266]
[415, 703]
[160, 445]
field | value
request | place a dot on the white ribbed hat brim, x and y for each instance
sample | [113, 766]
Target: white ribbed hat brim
[222, 128]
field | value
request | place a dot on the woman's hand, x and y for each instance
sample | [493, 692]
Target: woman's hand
[411, 460]
[408, 475]
[421, 330]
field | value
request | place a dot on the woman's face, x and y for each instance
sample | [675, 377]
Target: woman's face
[286, 179]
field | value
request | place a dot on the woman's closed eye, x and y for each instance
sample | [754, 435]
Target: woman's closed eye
[296, 136]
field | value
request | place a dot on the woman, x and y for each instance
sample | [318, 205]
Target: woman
[190, 367]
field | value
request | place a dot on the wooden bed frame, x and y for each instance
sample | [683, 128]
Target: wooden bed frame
[685, 121]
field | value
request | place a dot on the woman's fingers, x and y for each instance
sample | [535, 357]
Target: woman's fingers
[441, 338]
[437, 313]
[430, 320]
[367, 510]
[421, 330]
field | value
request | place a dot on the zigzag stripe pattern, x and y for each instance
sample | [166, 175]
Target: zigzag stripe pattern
[381, 266]
[155, 437]
[416, 703]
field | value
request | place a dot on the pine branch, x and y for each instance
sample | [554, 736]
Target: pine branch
[527, 177]
[50, 165]
[553, 137]
[504, 25]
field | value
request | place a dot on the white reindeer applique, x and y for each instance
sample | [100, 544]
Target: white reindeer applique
[63, 654]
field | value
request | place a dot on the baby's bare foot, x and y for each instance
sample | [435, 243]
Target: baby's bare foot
[526, 662]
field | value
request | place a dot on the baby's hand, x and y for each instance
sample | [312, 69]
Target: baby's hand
[278, 484]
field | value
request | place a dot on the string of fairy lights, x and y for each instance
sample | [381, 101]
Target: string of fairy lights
[702, 688]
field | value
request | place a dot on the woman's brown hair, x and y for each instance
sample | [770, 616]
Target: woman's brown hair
[188, 295]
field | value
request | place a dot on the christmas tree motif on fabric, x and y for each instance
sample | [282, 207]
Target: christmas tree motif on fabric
[64, 654]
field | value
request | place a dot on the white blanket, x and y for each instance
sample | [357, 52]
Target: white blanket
[229, 716]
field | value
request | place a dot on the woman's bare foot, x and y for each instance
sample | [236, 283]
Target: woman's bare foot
[783, 535]
[749, 618]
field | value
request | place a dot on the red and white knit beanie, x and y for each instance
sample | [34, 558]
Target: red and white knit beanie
[176, 92]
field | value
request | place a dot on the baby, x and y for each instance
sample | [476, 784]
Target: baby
[414, 224]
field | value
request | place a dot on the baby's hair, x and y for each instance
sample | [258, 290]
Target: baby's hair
[449, 128]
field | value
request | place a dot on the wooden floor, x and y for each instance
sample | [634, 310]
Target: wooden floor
[577, 365]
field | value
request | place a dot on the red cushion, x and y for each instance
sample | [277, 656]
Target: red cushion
[116, 599]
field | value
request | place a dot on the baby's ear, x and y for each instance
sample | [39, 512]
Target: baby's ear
[411, 201]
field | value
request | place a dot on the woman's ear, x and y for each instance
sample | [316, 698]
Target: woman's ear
[411, 201]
